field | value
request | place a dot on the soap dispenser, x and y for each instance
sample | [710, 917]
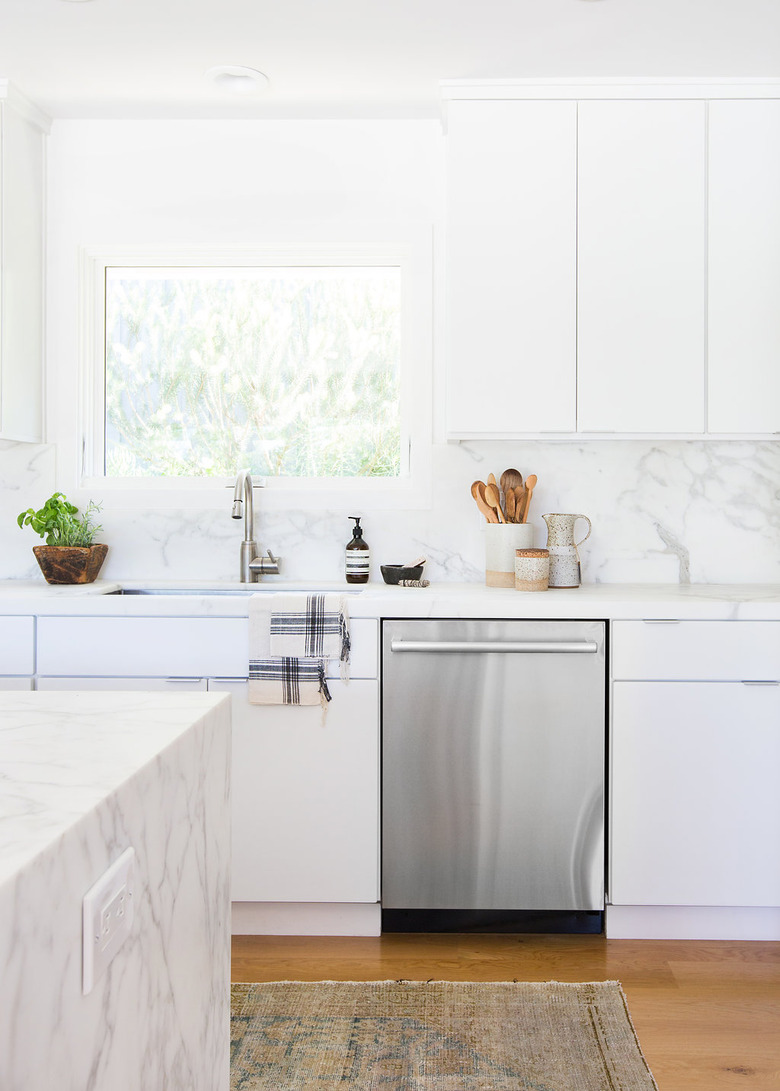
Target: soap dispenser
[358, 556]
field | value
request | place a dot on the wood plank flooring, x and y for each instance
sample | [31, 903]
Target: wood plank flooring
[707, 1013]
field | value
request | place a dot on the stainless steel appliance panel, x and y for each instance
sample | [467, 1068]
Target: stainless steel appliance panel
[493, 765]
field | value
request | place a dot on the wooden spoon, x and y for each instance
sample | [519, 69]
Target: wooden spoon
[509, 500]
[511, 479]
[478, 492]
[494, 500]
[530, 484]
[521, 499]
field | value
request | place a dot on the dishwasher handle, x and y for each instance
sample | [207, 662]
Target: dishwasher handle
[558, 647]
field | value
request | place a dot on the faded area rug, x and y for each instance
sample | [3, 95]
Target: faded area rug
[434, 1036]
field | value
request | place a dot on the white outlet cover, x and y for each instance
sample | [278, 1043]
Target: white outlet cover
[108, 912]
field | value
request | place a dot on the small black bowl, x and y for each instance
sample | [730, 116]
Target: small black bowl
[394, 573]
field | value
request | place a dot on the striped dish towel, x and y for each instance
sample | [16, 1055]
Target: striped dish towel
[279, 672]
[311, 626]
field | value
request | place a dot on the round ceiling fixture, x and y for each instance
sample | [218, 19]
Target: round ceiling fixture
[237, 80]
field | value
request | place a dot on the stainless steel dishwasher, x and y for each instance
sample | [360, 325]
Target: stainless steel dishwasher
[493, 759]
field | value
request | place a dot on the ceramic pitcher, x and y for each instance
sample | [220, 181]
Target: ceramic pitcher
[564, 558]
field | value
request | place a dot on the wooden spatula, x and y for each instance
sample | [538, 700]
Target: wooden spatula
[530, 484]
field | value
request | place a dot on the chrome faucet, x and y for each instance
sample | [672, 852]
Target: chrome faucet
[251, 567]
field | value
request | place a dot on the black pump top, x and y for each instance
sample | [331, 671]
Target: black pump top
[358, 531]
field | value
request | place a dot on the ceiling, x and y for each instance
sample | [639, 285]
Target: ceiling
[358, 58]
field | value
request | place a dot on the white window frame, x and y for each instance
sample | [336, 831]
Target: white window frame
[411, 252]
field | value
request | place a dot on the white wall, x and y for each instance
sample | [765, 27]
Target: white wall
[661, 511]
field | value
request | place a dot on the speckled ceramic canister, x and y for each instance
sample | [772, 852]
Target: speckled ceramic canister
[532, 569]
[501, 541]
[564, 559]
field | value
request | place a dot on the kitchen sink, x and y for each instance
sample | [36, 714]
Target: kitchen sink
[238, 589]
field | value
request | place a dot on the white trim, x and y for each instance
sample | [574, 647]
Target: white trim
[596, 88]
[306, 919]
[411, 249]
[639, 437]
[28, 110]
[692, 922]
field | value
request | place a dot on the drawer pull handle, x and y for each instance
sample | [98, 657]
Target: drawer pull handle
[759, 682]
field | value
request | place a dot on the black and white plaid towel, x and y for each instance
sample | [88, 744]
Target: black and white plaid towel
[311, 626]
[291, 639]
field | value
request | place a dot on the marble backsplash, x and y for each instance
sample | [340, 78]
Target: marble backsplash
[662, 512]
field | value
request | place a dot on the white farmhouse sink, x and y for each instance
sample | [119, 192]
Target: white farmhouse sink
[267, 587]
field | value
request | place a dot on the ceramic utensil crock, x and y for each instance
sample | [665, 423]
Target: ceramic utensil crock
[565, 570]
[501, 541]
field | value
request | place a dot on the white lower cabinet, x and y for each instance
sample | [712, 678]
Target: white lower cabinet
[695, 806]
[306, 797]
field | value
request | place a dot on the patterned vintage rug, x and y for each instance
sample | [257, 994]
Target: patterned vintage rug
[435, 1036]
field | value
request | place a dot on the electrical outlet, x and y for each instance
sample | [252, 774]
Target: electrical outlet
[108, 912]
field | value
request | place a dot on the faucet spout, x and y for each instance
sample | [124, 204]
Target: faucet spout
[251, 567]
[242, 499]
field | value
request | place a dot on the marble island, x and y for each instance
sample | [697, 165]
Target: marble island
[85, 776]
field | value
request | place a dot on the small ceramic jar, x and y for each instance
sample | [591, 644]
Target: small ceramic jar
[532, 569]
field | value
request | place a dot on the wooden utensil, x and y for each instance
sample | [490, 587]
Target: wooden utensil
[509, 503]
[494, 500]
[530, 484]
[511, 479]
[521, 497]
[478, 492]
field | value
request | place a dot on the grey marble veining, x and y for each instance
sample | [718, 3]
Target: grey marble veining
[84, 776]
[672, 511]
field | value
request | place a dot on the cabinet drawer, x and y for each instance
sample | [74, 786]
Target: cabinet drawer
[696, 650]
[165, 647]
[17, 645]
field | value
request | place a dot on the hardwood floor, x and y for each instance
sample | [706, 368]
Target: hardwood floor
[707, 1013]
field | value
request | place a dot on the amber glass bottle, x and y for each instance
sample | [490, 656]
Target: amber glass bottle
[358, 556]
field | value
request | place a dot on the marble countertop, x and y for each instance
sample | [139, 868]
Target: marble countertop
[198, 599]
[62, 754]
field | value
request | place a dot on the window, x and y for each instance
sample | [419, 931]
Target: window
[293, 372]
[311, 369]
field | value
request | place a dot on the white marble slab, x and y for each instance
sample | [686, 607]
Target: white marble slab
[440, 599]
[83, 777]
[663, 511]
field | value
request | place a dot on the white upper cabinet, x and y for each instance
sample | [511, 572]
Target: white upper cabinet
[23, 131]
[511, 266]
[613, 257]
[641, 266]
[744, 266]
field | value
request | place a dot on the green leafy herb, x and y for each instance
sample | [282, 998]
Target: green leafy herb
[59, 523]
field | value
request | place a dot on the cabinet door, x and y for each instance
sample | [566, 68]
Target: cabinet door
[305, 797]
[641, 266]
[744, 266]
[511, 267]
[17, 645]
[695, 803]
[21, 300]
